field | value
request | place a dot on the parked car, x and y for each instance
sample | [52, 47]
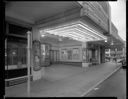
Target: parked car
[124, 64]
[123, 61]
[107, 59]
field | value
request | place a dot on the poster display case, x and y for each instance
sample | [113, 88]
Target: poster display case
[36, 54]
[70, 54]
[75, 53]
[45, 55]
[64, 54]
[85, 53]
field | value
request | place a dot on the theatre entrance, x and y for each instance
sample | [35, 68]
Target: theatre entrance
[54, 56]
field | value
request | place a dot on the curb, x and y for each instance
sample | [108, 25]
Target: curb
[84, 94]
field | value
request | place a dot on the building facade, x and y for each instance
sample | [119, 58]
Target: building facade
[117, 52]
[66, 33]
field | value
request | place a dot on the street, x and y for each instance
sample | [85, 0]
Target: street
[115, 86]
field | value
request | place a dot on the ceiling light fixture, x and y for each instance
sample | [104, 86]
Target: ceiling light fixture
[112, 43]
[43, 35]
[105, 40]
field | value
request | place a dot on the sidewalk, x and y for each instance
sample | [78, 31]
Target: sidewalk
[64, 81]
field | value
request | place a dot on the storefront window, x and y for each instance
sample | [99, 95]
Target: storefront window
[119, 49]
[112, 49]
[106, 50]
[12, 56]
[16, 55]
[70, 54]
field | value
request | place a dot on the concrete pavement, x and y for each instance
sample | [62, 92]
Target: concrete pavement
[64, 81]
[114, 86]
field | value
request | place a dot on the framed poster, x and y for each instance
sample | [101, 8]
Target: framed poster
[42, 54]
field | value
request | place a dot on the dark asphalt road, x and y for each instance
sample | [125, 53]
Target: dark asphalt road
[113, 86]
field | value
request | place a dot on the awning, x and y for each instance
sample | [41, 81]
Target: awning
[77, 30]
[114, 38]
[116, 41]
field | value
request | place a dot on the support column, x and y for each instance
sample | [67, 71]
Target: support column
[103, 54]
[36, 50]
[85, 62]
[99, 57]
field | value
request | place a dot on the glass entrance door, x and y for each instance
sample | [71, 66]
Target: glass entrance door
[54, 56]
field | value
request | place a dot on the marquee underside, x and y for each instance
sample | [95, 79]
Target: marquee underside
[76, 30]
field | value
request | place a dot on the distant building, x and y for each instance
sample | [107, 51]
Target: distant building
[124, 49]
[117, 52]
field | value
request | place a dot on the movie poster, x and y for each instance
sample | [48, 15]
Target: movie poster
[36, 54]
